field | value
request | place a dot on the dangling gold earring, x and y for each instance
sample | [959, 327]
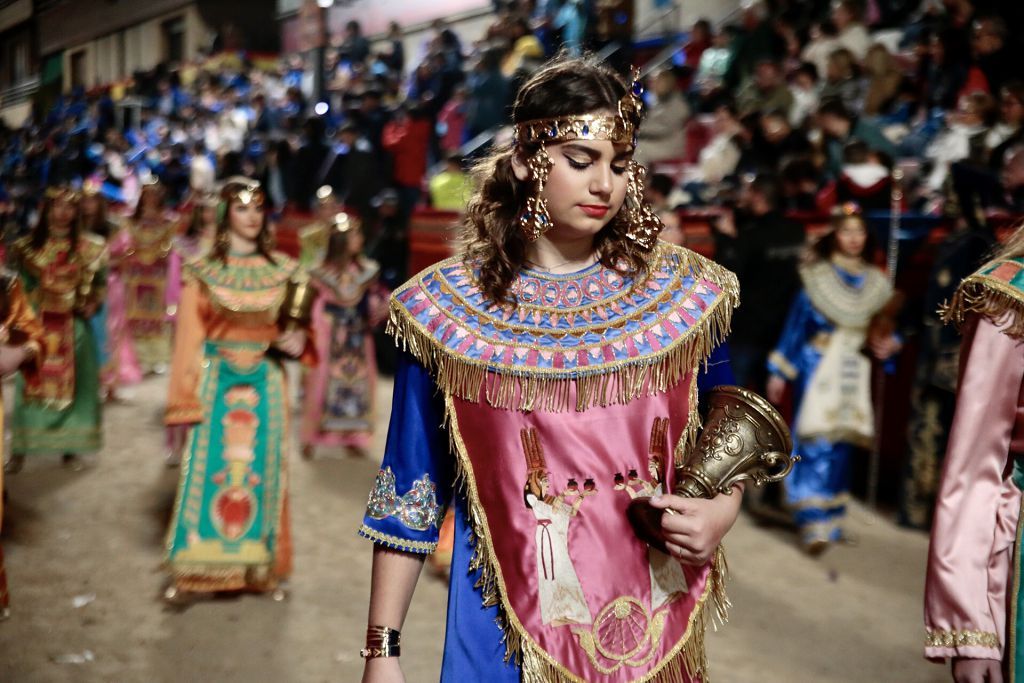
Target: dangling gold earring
[643, 224]
[266, 240]
[535, 220]
[223, 240]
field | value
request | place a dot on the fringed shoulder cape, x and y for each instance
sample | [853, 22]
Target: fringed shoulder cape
[559, 411]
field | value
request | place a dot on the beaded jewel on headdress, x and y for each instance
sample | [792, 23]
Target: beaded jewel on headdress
[248, 192]
[619, 127]
[343, 223]
[324, 194]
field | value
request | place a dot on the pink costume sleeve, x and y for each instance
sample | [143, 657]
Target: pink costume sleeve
[969, 561]
[173, 288]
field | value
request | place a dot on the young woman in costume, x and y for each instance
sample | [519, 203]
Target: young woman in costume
[560, 349]
[139, 256]
[63, 273]
[229, 529]
[194, 242]
[973, 610]
[21, 345]
[822, 352]
[340, 391]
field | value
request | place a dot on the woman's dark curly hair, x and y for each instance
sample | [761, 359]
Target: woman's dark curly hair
[41, 231]
[490, 234]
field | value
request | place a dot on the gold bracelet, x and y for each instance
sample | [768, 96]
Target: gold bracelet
[381, 641]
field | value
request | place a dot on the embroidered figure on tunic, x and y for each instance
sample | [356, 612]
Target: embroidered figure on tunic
[561, 595]
[668, 581]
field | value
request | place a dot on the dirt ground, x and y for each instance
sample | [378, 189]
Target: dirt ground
[84, 549]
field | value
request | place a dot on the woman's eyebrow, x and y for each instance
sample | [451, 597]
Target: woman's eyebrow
[592, 153]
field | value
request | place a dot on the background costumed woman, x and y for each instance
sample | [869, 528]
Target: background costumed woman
[21, 345]
[230, 530]
[972, 607]
[561, 349]
[139, 331]
[341, 390]
[821, 351]
[63, 274]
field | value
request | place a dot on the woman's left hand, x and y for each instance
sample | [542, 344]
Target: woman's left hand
[884, 348]
[292, 343]
[693, 533]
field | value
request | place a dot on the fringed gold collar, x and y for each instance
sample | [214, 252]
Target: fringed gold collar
[996, 292]
[592, 330]
[842, 299]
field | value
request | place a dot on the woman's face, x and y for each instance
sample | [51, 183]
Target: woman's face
[1011, 109]
[851, 237]
[586, 186]
[355, 241]
[246, 220]
[62, 212]
[89, 205]
[209, 215]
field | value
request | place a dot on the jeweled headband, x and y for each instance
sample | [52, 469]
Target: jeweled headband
[248, 192]
[619, 128]
[68, 194]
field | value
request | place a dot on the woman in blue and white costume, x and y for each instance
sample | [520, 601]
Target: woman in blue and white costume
[822, 353]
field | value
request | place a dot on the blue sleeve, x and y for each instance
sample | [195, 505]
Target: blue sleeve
[784, 361]
[414, 486]
[717, 371]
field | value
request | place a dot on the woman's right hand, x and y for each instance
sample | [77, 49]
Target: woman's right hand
[775, 389]
[977, 670]
[383, 670]
[176, 435]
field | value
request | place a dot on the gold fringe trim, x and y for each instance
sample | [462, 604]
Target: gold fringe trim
[686, 661]
[520, 388]
[989, 298]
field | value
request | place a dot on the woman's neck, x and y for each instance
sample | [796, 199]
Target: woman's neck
[561, 257]
[60, 230]
[851, 264]
[242, 246]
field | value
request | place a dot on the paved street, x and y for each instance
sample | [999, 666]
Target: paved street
[93, 538]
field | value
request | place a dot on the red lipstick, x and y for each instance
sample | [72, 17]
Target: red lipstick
[594, 210]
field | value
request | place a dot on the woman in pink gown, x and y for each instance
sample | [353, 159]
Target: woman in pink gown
[340, 391]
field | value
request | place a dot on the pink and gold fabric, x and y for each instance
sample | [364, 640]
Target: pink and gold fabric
[560, 411]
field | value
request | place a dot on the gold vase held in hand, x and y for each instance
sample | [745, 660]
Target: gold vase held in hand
[744, 438]
[297, 308]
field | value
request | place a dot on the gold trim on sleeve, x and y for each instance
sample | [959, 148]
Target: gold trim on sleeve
[961, 639]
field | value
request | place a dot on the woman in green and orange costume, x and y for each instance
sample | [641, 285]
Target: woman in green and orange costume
[230, 529]
[973, 612]
[63, 271]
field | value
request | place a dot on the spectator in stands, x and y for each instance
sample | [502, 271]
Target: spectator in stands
[714, 62]
[201, 175]
[663, 135]
[758, 41]
[864, 178]
[308, 169]
[700, 40]
[662, 195]
[489, 94]
[823, 42]
[721, 155]
[451, 121]
[275, 177]
[840, 127]
[450, 189]
[354, 48]
[353, 171]
[1012, 179]
[884, 79]
[963, 138]
[942, 72]
[776, 141]
[992, 63]
[803, 85]
[394, 55]
[847, 16]
[842, 80]
[406, 139]
[759, 244]
[766, 90]
[526, 52]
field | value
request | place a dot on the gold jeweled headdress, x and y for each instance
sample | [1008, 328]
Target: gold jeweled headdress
[65, 192]
[343, 223]
[249, 191]
[620, 127]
